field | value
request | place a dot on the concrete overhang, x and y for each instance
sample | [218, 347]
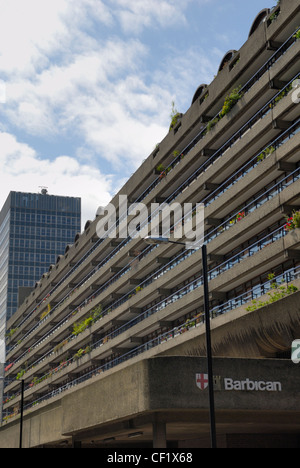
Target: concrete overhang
[256, 395]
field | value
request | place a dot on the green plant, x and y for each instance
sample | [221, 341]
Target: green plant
[97, 312]
[78, 354]
[278, 292]
[175, 115]
[212, 123]
[275, 15]
[231, 100]
[297, 35]
[11, 332]
[20, 374]
[160, 168]
[44, 314]
[80, 327]
[266, 153]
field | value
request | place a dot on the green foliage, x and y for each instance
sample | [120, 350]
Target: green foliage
[278, 292]
[231, 100]
[160, 168]
[266, 153]
[229, 103]
[11, 332]
[80, 327]
[274, 15]
[81, 352]
[175, 115]
[212, 123]
[297, 35]
[20, 374]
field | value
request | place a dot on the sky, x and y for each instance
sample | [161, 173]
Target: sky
[86, 86]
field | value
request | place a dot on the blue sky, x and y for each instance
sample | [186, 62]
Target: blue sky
[86, 86]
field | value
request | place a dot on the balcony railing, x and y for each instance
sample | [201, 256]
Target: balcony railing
[269, 63]
[286, 277]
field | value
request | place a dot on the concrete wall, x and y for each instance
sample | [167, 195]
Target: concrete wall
[166, 385]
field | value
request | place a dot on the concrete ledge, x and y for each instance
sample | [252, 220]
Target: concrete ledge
[165, 385]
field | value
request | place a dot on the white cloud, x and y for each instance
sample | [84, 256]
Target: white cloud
[26, 29]
[134, 15]
[63, 77]
[22, 170]
[99, 94]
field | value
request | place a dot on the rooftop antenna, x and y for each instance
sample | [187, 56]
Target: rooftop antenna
[44, 190]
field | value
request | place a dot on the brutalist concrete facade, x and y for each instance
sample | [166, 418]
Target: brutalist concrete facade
[138, 307]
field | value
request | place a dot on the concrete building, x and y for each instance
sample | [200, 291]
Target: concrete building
[111, 343]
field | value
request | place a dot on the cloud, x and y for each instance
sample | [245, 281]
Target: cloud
[27, 29]
[22, 170]
[134, 15]
[102, 95]
[70, 74]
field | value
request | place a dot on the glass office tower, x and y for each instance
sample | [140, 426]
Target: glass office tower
[34, 229]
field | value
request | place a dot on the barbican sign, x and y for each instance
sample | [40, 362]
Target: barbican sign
[238, 385]
[252, 385]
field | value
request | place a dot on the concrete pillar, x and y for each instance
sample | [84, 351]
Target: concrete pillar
[159, 434]
[76, 443]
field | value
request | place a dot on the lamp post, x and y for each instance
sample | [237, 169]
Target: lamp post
[165, 240]
[21, 413]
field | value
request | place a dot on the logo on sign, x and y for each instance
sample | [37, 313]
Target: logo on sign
[202, 381]
[296, 351]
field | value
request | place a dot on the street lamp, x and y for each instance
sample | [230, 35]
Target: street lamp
[165, 240]
[21, 411]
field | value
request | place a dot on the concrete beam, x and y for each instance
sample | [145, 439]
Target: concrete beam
[277, 84]
[159, 434]
[279, 124]
[212, 222]
[164, 292]
[286, 166]
[291, 253]
[207, 152]
[210, 186]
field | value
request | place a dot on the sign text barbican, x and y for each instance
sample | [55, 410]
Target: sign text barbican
[250, 385]
[238, 385]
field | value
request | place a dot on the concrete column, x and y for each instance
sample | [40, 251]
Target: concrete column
[159, 434]
[76, 443]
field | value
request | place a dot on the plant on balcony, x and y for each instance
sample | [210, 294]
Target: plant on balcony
[264, 154]
[238, 217]
[293, 222]
[44, 314]
[279, 292]
[175, 116]
[80, 327]
[81, 352]
[20, 374]
[297, 35]
[11, 332]
[212, 123]
[34, 382]
[275, 15]
[162, 170]
[231, 101]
